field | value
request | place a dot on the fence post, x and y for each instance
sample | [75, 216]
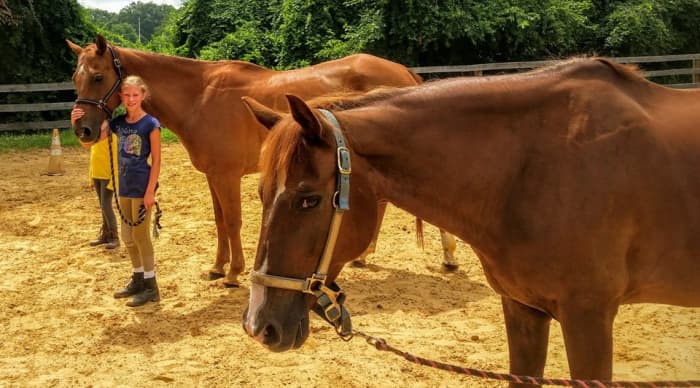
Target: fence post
[696, 68]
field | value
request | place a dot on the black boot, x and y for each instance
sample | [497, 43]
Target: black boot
[150, 293]
[134, 287]
[101, 239]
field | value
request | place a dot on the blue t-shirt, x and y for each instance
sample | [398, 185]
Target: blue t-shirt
[134, 149]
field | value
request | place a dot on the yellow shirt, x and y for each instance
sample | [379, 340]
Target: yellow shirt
[99, 161]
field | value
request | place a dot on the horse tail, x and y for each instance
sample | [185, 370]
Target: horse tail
[419, 233]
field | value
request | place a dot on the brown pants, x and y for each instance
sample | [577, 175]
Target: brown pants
[137, 239]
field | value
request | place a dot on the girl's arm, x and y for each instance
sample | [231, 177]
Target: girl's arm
[149, 199]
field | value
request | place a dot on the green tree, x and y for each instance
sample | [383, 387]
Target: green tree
[638, 28]
[101, 17]
[33, 40]
[248, 43]
[200, 23]
[304, 27]
[144, 18]
[125, 30]
[292, 33]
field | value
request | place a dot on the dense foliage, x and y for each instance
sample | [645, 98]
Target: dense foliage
[33, 39]
[292, 33]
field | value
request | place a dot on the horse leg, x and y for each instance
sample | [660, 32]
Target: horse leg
[228, 191]
[528, 335]
[587, 331]
[449, 245]
[362, 260]
[223, 253]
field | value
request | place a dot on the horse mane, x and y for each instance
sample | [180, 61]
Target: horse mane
[289, 145]
[586, 64]
[351, 100]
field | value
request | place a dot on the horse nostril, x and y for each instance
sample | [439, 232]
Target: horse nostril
[87, 131]
[270, 335]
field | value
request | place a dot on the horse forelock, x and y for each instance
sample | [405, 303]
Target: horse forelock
[283, 146]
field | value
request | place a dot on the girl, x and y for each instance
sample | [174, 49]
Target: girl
[138, 137]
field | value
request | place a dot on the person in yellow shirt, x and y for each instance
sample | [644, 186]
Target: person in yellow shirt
[101, 179]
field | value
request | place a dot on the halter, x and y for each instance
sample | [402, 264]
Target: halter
[102, 103]
[329, 302]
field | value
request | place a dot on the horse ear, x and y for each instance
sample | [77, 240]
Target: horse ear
[303, 115]
[76, 49]
[265, 116]
[101, 44]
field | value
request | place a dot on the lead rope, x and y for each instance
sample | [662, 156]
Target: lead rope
[142, 209]
[381, 344]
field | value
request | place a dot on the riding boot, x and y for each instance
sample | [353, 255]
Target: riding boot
[101, 238]
[134, 287]
[112, 240]
[150, 293]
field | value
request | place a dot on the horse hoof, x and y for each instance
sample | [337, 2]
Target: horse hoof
[215, 275]
[450, 267]
[359, 263]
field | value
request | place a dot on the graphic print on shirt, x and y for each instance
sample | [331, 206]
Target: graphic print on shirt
[132, 144]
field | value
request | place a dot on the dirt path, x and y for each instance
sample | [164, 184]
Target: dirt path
[61, 326]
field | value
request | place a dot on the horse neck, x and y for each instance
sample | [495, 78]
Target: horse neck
[437, 163]
[173, 83]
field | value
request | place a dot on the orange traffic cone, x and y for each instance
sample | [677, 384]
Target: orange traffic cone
[56, 155]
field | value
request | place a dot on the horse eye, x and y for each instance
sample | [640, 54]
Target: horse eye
[99, 77]
[309, 202]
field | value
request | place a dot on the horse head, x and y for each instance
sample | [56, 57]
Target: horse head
[296, 263]
[96, 78]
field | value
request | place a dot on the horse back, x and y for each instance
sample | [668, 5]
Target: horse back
[618, 189]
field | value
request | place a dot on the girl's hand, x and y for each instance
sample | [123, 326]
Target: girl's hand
[149, 199]
[76, 114]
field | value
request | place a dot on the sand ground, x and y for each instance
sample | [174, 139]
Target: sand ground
[61, 326]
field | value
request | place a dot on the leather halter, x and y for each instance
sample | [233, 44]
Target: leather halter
[102, 103]
[329, 303]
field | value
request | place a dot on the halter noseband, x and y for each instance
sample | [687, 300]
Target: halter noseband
[329, 303]
[102, 103]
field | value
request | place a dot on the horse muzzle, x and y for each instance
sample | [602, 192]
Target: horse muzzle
[86, 133]
[275, 335]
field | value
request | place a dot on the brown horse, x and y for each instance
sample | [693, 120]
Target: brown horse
[200, 101]
[577, 185]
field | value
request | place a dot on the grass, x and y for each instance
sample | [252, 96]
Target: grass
[23, 142]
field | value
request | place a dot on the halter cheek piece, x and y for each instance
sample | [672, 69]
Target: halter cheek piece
[102, 103]
[329, 298]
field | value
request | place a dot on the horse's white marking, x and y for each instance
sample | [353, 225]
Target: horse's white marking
[256, 299]
[81, 69]
[257, 291]
[281, 180]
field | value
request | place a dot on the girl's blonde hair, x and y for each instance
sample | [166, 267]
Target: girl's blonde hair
[135, 80]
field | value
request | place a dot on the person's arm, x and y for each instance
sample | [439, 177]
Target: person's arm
[149, 199]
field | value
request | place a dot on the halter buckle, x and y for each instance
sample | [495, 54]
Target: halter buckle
[343, 157]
